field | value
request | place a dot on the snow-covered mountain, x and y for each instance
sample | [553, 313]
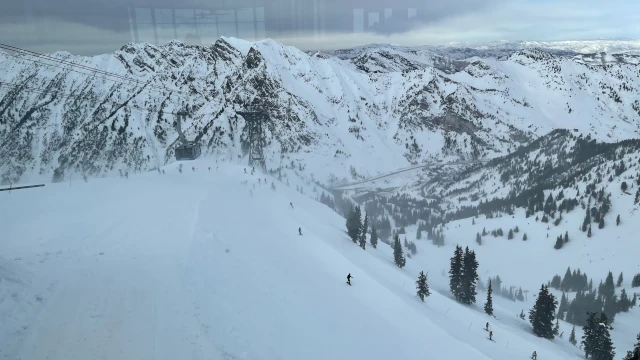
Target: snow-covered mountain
[345, 114]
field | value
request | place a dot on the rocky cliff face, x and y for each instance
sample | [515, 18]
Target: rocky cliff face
[352, 112]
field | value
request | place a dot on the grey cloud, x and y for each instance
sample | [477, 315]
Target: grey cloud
[97, 26]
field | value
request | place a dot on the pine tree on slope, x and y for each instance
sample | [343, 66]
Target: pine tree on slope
[455, 273]
[488, 306]
[563, 307]
[542, 314]
[363, 232]
[635, 353]
[596, 341]
[469, 277]
[605, 349]
[572, 337]
[589, 336]
[398, 256]
[353, 224]
[422, 286]
[374, 237]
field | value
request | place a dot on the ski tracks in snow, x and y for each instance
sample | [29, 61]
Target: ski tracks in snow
[129, 300]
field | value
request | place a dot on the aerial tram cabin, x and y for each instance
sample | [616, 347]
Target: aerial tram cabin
[188, 151]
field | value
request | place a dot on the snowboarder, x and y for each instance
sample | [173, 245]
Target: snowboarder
[534, 356]
[300, 230]
[349, 279]
[491, 335]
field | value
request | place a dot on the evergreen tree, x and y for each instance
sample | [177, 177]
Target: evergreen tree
[635, 353]
[455, 273]
[605, 348]
[618, 220]
[590, 335]
[565, 285]
[559, 243]
[484, 232]
[419, 234]
[398, 256]
[422, 286]
[524, 237]
[363, 231]
[374, 236]
[609, 288]
[556, 328]
[469, 277]
[563, 307]
[520, 295]
[353, 224]
[542, 314]
[634, 300]
[601, 223]
[624, 304]
[572, 337]
[589, 232]
[566, 237]
[488, 306]
[586, 221]
[510, 235]
[516, 230]
[478, 239]
[610, 308]
[620, 279]
[596, 341]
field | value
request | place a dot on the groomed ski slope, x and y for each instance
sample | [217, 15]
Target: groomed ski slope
[191, 266]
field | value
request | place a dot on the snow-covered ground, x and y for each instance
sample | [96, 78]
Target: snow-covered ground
[199, 265]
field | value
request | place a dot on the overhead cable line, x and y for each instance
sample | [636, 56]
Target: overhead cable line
[71, 66]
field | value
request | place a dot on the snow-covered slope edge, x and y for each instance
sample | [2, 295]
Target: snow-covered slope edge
[163, 270]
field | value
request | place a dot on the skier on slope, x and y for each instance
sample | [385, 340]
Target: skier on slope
[300, 230]
[349, 279]
[491, 335]
[487, 326]
[534, 356]
[290, 203]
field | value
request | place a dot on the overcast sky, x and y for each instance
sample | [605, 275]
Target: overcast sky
[100, 26]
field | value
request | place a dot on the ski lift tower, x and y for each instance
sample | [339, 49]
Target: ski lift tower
[255, 114]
